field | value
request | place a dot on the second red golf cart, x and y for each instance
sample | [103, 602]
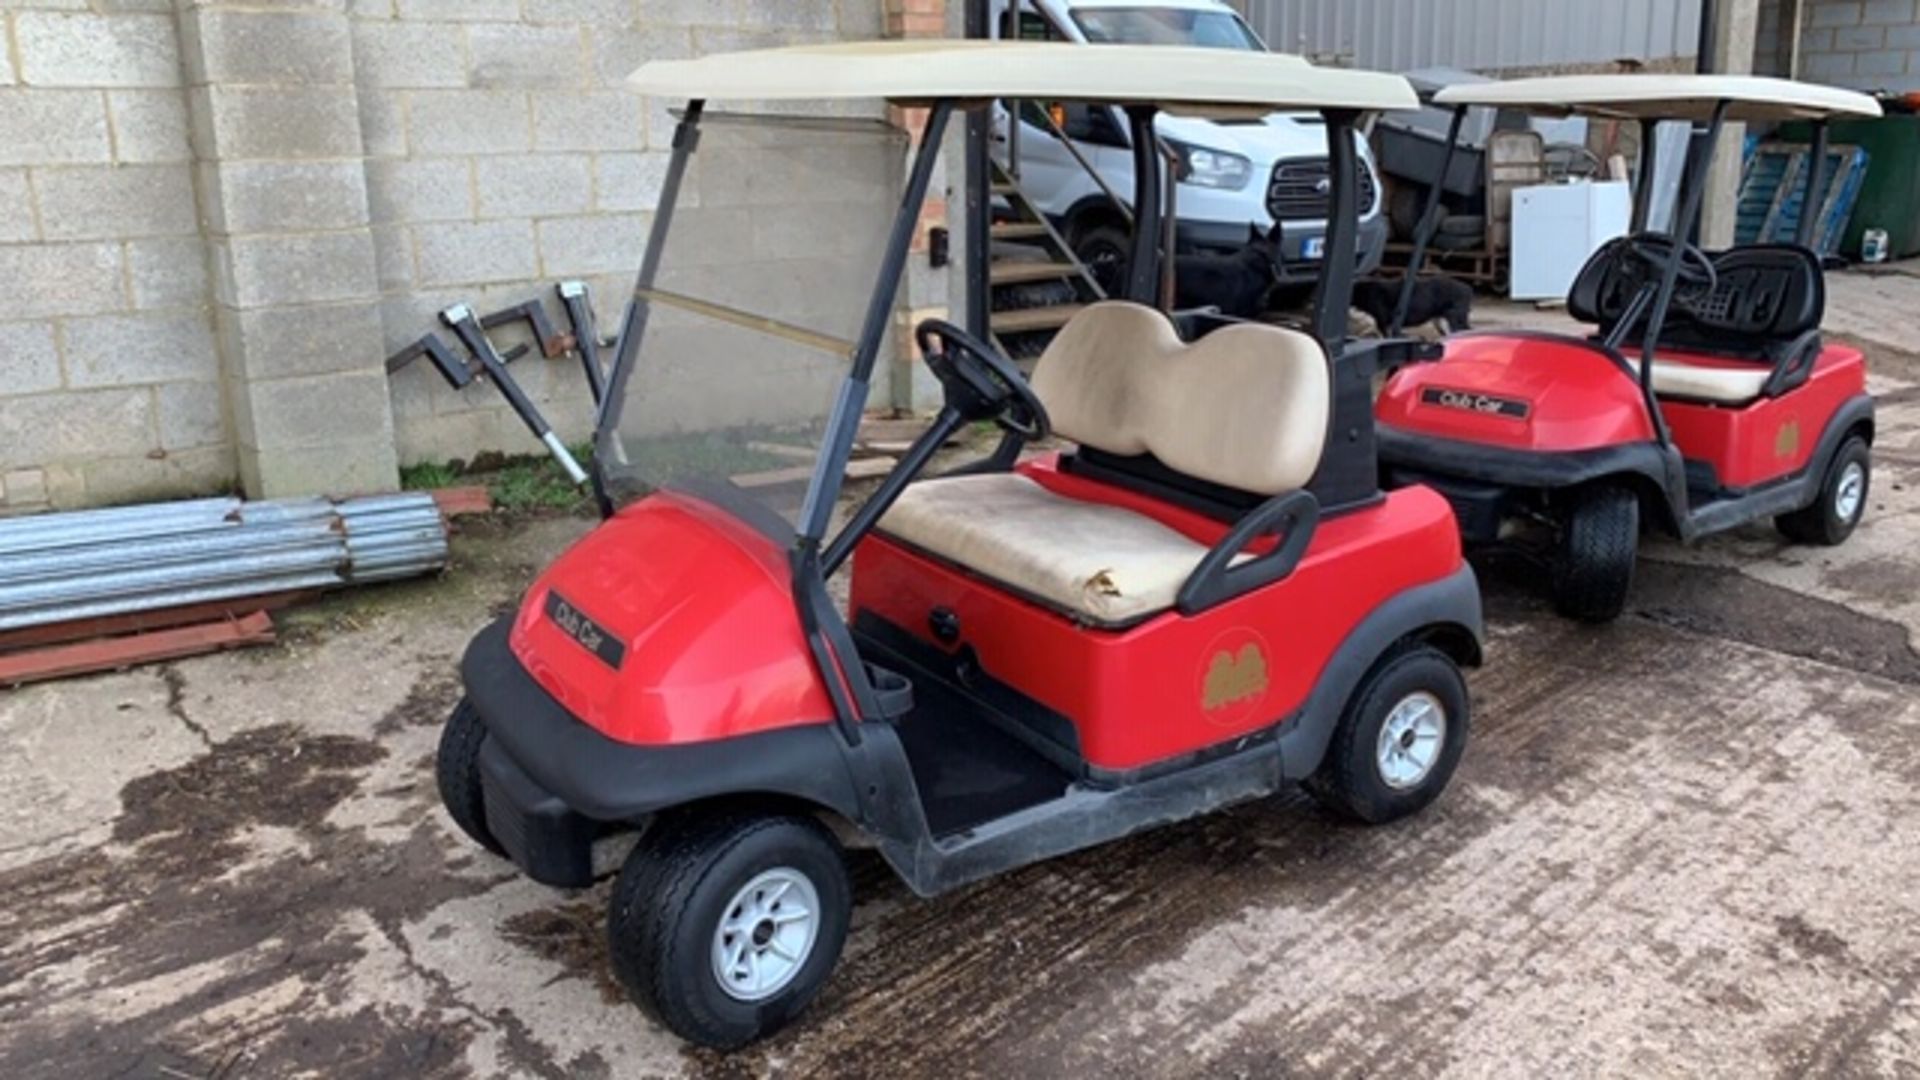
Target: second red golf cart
[1207, 600]
[1705, 398]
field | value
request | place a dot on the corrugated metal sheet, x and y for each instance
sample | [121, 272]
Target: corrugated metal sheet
[1481, 35]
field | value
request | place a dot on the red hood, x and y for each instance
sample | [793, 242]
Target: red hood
[1526, 392]
[696, 610]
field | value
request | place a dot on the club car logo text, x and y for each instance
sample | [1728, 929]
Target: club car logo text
[1468, 401]
[591, 635]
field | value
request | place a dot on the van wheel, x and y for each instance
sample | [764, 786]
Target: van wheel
[456, 768]
[1593, 566]
[723, 928]
[1105, 248]
[1399, 740]
[1842, 501]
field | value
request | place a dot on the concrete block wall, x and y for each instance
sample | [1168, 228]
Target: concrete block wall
[217, 217]
[1863, 44]
[284, 207]
[109, 371]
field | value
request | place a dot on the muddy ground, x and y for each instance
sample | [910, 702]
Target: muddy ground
[1685, 844]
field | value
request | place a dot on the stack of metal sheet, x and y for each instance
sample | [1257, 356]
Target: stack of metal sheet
[65, 567]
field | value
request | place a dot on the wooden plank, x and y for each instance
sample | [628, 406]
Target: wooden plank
[458, 501]
[1023, 273]
[1030, 319]
[138, 622]
[1017, 230]
[857, 469]
[116, 654]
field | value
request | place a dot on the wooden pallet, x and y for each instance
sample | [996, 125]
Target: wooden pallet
[120, 653]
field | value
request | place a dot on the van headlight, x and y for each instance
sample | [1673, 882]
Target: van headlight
[1204, 167]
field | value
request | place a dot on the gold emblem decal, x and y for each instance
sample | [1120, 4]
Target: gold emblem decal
[1787, 442]
[1234, 677]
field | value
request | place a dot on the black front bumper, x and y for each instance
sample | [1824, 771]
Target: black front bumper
[1486, 483]
[1225, 238]
[554, 784]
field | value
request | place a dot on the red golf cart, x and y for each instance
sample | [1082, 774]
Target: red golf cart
[1704, 400]
[1207, 600]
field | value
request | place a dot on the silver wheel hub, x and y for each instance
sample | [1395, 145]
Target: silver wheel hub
[766, 934]
[1411, 740]
[1851, 492]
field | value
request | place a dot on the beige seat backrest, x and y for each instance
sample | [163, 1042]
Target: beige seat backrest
[1245, 407]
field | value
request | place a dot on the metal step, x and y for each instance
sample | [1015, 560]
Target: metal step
[1027, 320]
[1018, 230]
[1023, 273]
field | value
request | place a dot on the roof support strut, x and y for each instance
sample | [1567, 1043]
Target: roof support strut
[1692, 195]
[1143, 261]
[1429, 224]
[1813, 203]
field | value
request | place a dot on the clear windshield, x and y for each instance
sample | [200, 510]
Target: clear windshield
[772, 252]
[1165, 26]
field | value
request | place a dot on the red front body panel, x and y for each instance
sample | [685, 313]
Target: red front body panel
[1577, 398]
[702, 606]
[1137, 697]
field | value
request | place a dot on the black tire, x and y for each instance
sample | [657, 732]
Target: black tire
[1825, 523]
[1351, 780]
[670, 900]
[1104, 247]
[1593, 565]
[1040, 295]
[456, 767]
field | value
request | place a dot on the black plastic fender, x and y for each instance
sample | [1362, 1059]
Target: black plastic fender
[1449, 606]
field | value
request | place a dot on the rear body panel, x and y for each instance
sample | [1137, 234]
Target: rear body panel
[1773, 438]
[1172, 686]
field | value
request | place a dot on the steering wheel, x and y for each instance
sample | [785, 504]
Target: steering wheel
[980, 384]
[1696, 266]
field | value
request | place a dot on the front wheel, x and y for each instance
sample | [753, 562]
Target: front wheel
[1399, 740]
[456, 767]
[724, 927]
[1106, 250]
[1593, 566]
[1842, 501]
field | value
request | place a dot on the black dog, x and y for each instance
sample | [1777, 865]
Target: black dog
[1440, 298]
[1237, 284]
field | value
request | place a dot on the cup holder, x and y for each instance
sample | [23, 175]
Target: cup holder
[892, 692]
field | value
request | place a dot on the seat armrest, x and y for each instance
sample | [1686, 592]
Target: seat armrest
[1218, 579]
[1795, 365]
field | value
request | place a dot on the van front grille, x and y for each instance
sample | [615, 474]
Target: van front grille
[1300, 190]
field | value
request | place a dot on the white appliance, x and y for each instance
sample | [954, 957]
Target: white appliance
[1557, 227]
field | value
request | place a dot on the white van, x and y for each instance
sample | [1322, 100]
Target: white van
[1236, 173]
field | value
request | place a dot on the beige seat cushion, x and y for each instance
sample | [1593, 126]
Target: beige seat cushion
[1104, 564]
[1245, 407]
[1726, 385]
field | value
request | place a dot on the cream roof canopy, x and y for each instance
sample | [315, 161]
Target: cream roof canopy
[1179, 79]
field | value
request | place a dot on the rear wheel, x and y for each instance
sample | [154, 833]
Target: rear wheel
[724, 927]
[1842, 501]
[1399, 740]
[456, 768]
[1593, 565]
